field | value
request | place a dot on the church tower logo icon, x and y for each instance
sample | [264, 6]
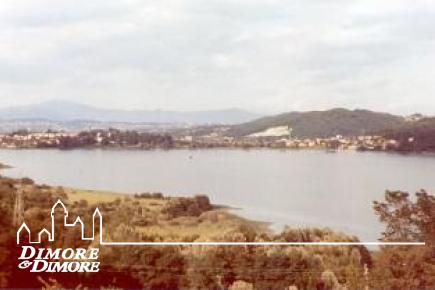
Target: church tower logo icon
[24, 233]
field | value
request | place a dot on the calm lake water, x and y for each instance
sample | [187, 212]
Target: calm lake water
[298, 188]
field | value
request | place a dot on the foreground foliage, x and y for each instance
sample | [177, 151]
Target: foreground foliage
[406, 267]
[153, 217]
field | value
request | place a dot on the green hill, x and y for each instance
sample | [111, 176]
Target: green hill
[323, 123]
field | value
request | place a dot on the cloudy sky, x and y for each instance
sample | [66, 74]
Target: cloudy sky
[266, 56]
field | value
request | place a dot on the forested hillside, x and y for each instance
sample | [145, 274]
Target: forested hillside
[320, 124]
[416, 136]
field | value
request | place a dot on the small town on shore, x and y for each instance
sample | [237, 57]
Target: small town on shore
[277, 137]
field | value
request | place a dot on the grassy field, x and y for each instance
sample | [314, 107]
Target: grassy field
[92, 196]
[210, 225]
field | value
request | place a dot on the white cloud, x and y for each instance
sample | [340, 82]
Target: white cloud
[267, 56]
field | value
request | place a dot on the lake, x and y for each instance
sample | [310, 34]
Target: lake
[297, 188]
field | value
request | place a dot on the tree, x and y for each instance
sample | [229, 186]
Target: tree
[406, 267]
[407, 220]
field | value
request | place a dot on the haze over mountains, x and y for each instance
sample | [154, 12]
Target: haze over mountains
[62, 111]
[60, 115]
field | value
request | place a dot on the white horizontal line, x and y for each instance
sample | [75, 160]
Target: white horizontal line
[263, 243]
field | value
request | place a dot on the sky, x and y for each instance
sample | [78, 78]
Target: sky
[265, 56]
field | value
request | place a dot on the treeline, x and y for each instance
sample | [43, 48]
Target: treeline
[114, 137]
[416, 136]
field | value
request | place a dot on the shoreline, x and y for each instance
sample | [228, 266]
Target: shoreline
[229, 220]
[95, 197]
[223, 148]
[5, 166]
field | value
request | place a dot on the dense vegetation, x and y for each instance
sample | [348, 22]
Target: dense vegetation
[114, 137]
[322, 124]
[153, 217]
[90, 138]
[414, 136]
[406, 267]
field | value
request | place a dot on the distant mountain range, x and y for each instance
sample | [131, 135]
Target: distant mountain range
[60, 115]
[324, 123]
[61, 111]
